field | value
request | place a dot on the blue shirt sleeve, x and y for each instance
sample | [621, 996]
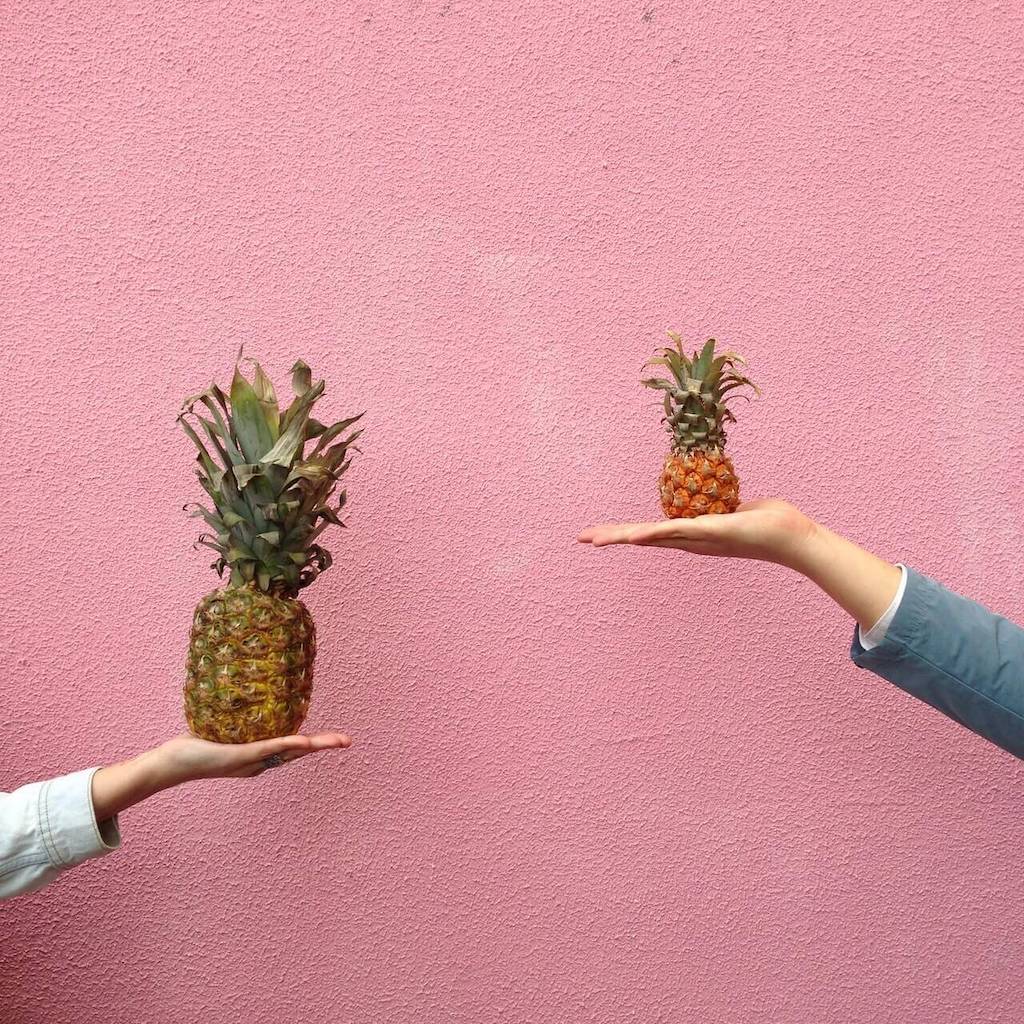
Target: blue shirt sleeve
[957, 656]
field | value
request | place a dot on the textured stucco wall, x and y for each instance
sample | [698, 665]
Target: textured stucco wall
[587, 786]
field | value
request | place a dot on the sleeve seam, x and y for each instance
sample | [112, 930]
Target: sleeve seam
[45, 831]
[956, 679]
[28, 861]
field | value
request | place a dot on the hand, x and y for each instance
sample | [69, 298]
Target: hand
[187, 758]
[772, 531]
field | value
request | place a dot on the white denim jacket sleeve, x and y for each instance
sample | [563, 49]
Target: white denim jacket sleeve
[47, 827]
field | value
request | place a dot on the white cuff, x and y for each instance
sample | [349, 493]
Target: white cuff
[67, 821]
[876, 634]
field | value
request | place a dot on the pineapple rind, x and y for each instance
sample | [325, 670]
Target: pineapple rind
[250, 666]
[697, 484]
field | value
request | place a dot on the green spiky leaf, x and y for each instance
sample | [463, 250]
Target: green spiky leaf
[250, 420]
[695, 393]
[271, 500]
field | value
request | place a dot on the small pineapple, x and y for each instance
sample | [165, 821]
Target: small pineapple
[698, 477]
[252, 644]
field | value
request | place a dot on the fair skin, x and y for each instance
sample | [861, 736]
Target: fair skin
[186, 759]
[772, 531]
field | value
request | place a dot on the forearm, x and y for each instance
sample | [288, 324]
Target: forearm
[858, 581]
[121, 785]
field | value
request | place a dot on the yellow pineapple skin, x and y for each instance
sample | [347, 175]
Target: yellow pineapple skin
[250, 666]
[698, 483]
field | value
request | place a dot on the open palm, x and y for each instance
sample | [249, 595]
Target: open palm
[769, 530]
[194, 758]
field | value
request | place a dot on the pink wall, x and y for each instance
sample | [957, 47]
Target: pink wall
[587, 786]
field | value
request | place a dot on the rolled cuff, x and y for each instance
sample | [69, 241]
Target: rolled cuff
[67, 821]
[876, 634]
[903, 630]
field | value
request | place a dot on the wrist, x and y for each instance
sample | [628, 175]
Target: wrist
[158, 769]
[815, 551]
[806, 546]
[118, 786]
[861, 583]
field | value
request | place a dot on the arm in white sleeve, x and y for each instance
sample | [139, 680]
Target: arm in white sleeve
[877, 633]
[47, 827]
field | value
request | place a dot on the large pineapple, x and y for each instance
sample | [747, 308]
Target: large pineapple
[698, 477]
[270, 475]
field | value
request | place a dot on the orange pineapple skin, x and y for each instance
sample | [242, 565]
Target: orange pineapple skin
[698, 483]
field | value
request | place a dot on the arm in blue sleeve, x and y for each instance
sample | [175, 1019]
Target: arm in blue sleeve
[957, 656]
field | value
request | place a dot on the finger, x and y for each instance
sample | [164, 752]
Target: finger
[295, 755]
[250, 771]
[315, 748]
[279, 745]
[643, 533]
[607, 533]
[329, 741]
[289, 748]
[602, 530]
[694, 547]
[254, 753]
[702, 535]
[681, 531]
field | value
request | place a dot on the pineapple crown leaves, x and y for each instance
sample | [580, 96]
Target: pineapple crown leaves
[270, 475]
[696, 387]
